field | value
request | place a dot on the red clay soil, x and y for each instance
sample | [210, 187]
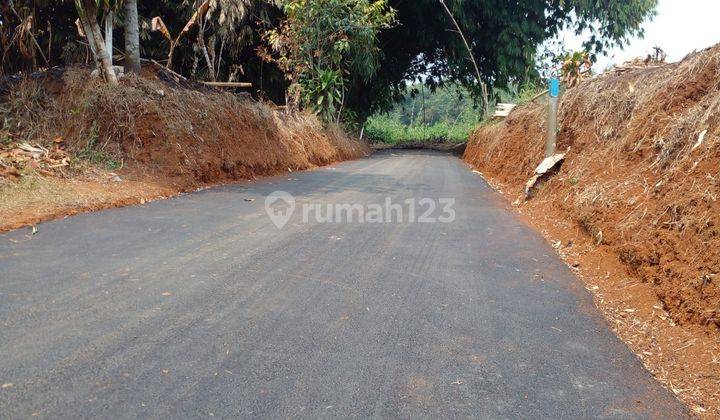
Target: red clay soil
[168, 139]
[40, 198]
[634, 208]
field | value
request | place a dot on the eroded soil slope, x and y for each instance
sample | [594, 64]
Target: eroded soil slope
[640, 188]
[146, 138]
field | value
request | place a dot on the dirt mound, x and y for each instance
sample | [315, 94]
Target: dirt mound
[149, 129]
[641, 179]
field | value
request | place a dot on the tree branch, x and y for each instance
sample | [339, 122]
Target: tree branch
[483, 86]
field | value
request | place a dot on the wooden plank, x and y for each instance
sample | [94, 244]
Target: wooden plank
[503, 110]
[228, 84]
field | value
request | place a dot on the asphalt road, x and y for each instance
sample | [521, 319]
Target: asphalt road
[199, 306]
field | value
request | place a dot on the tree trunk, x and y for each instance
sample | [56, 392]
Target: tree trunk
[201, 41]
[87, 11]
[109, 34]
[132, 38]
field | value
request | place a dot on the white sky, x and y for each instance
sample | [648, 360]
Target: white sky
[679, 27]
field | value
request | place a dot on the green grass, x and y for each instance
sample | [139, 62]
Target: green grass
[444, 114]
[450, 112]
[384, 129]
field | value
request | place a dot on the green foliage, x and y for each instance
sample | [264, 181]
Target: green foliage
[527, 92]
[521, 94]
[384, 129]
[322, 93]
[504, 36]
[5, 138]
[575, 66]
[93, 153]
[323, 44]
[447, 114]
[379, 50]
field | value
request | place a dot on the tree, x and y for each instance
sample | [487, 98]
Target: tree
[322, 45]
[218, 31]
[132, 37]
[504, 37]
[483, 86]
[87, 12]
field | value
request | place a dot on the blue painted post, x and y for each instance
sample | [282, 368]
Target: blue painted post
[554, 87]
[554, 91]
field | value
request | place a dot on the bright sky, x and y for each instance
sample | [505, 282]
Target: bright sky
[679, 27]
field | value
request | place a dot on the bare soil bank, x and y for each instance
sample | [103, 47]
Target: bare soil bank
[634, 208]
[159, 137]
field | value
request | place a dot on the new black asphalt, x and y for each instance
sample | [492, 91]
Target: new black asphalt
[199, 306]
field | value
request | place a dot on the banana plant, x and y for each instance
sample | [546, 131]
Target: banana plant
[323, 93]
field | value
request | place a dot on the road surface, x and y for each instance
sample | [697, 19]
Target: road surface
[199, 306]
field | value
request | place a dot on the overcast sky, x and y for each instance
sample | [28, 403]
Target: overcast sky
[679, 27]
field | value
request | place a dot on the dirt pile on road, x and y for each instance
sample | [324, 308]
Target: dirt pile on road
[179, 137]
[641, 182]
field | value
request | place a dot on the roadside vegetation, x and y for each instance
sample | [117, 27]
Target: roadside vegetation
[324, 55]
[640, 181]
[447, 114]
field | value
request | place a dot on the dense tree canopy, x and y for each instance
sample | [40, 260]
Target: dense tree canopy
[504, 35]
[422, 45]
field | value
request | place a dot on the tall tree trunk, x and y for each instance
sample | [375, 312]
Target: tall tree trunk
[132, 37]
[109, 34]
[87, 11]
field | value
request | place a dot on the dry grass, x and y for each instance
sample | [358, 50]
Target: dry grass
[636, 176]
[189, 129]
[641, 181]
[167, 134]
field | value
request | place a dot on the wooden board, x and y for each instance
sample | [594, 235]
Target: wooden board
[503, 110]
[228, 84]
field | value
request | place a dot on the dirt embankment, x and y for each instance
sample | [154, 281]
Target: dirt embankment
[635, 206]
[143, 139]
